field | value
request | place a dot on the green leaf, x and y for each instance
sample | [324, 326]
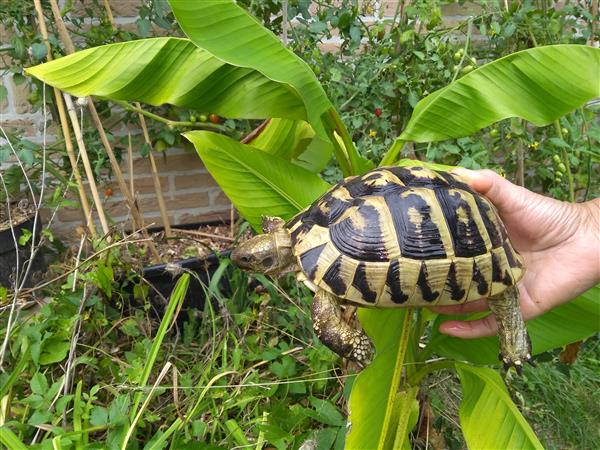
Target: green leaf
[99, 416]
[373, 410]
[54, 349]
[257, 183]
[39, 417]
[38, 384]
[525, 84]
[325, 438]
[10, 439]
[3, 95]
[408, 408]
[488, 416]
[294, 140]
[228, 32]
[284, 138]
[326, 412]
[39, 51]
[171, 70]
[570, 322]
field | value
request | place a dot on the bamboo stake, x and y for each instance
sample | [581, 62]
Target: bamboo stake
[86, 162]
[109, 14]
[135, 212]
[87, 216]
[155, 179]
[130, 164]
[130, 167]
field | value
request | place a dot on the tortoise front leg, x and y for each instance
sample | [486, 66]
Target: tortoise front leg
[515, 345]
[346, 341]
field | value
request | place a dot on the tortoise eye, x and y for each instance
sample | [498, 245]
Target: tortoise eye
[267, 262]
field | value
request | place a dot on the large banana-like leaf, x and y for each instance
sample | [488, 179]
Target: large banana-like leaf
[171, 70]
[538, 85]
[257, 183]
[488, 416]
[234, 36]
[568, 323]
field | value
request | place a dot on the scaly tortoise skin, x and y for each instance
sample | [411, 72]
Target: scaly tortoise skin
[395, 237]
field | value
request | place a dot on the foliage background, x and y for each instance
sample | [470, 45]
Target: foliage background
[277, 393]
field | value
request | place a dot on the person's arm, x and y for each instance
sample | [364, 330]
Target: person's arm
[559, 241]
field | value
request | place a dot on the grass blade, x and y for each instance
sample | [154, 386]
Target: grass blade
[175, 302]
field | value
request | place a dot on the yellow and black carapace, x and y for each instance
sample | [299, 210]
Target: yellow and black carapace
[394, 237]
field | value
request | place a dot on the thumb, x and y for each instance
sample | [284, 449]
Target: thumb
[464, 329]
[505, 195]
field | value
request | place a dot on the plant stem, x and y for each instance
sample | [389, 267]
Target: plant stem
[396, 381]
[428, 368]
[347, 140]
[466, 49]
[391, 155]
[520, 178]
[565, 158]
[171, 123]
[340, 155]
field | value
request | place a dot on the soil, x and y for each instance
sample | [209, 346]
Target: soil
[19, 213]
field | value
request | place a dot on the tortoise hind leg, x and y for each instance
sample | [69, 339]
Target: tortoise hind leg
[343, 339]
[515, 345]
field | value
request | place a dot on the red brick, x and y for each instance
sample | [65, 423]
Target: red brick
[169, 163]
[220, 199]
[125, 8]
[185, 218]
[199, 180]
[20, 94]
[27, 127]
[141, 184]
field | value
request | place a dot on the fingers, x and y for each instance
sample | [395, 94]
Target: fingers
[502, 193]
[467, 329]
[463, 308]
[470, 329]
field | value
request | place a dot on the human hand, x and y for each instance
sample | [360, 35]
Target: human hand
[559, 241]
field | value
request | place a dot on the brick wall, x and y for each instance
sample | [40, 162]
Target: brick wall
[191, 195]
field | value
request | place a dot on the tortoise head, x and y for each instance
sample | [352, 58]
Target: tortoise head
[270, 253]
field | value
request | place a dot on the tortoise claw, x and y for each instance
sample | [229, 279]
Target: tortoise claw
[517, 363]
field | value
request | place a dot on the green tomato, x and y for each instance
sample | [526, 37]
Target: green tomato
[564, 131]
[494, 132]
[160, 145]
[562, 167]
[457, 56]
[465, 70]
[203, 118]
[556, 159]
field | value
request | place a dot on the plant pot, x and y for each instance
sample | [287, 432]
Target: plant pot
[8, 253]
[163, 277]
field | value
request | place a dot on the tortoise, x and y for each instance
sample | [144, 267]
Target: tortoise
[395, 237]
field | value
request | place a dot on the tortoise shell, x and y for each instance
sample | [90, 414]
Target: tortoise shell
[404, 236]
